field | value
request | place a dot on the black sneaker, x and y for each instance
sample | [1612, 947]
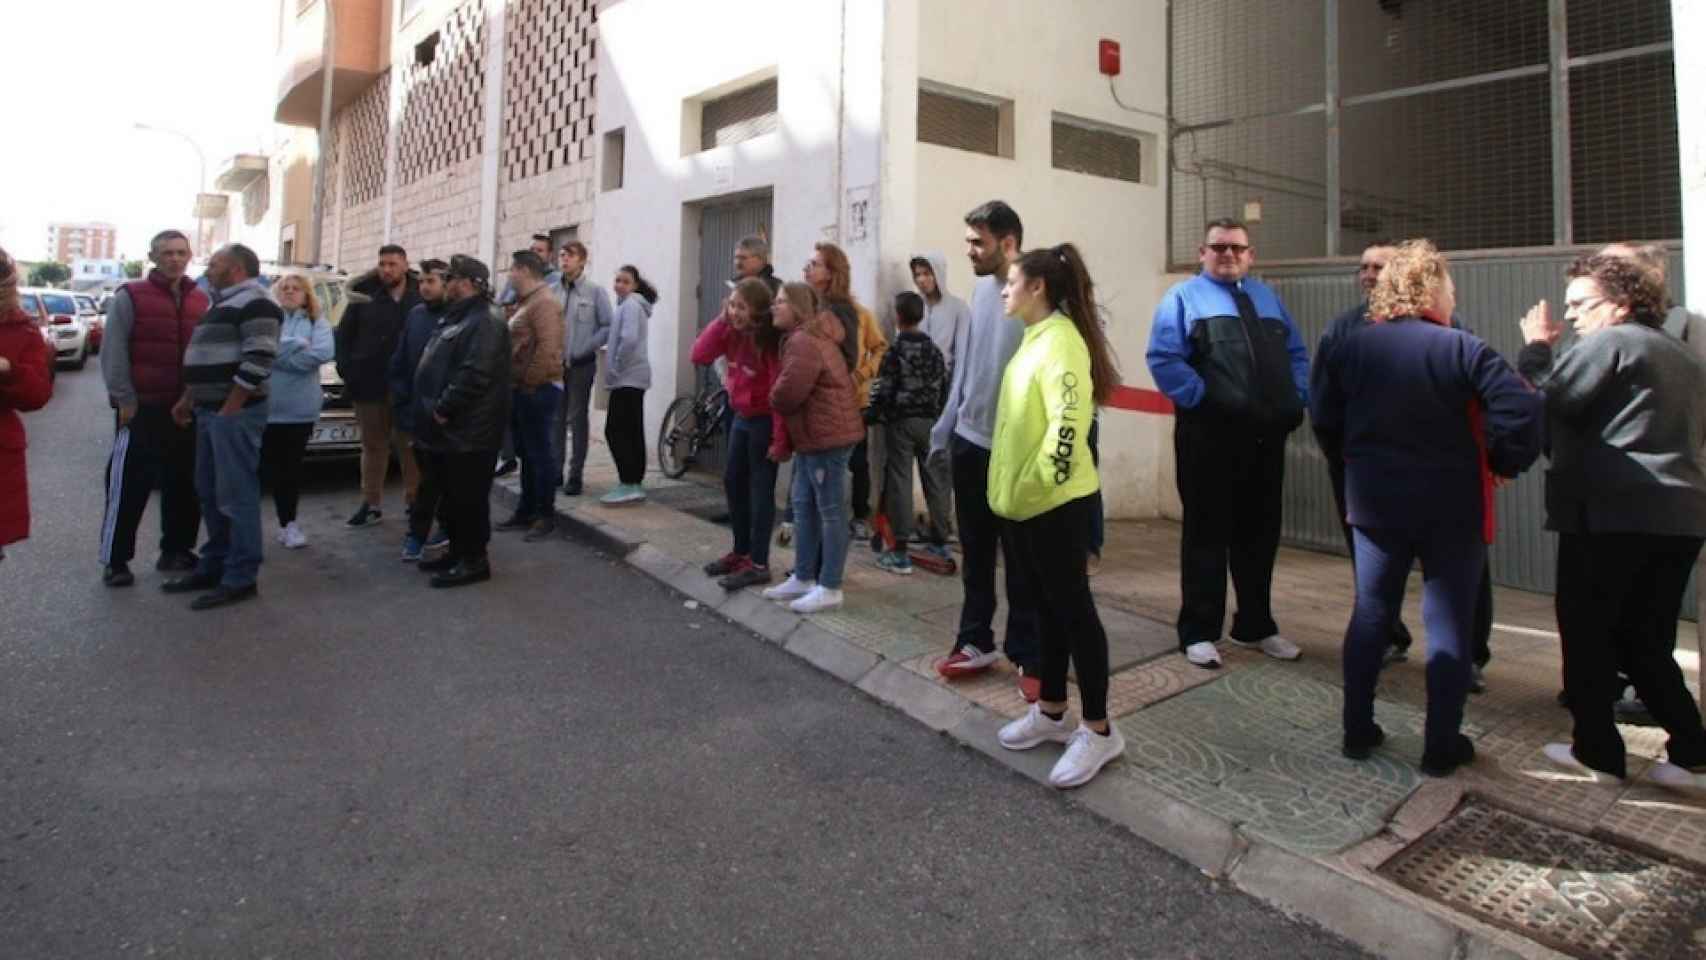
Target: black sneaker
[1460, 751]
[364, 516]
[516, 521]
[542, 529]
[572, 488]
[117, 575]
[464, 573]
[507, 467]
[181, 561]
[1361, 748]
[439, 565]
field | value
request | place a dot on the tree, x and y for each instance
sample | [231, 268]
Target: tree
[49, 273]
[133, 268]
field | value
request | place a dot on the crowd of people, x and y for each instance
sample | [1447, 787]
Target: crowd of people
[994, 403]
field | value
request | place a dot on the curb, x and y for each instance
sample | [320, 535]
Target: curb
[1385, 921]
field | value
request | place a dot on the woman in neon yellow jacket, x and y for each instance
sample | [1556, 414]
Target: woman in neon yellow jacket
[1042, 483]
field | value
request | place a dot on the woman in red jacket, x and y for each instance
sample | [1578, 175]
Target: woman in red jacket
[24, 385]
[744, 334]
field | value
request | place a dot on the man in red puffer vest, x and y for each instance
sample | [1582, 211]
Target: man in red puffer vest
[148, 325]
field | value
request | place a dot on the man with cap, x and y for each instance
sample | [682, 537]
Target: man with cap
[462, 401]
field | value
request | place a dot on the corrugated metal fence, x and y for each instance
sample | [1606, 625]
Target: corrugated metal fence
[1493, 292]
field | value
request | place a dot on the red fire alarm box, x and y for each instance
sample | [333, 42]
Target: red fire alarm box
[1108, 57]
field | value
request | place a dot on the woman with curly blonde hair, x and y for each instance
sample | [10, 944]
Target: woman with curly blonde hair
[1421, 412]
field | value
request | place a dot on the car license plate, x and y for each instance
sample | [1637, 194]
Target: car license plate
[336, 433]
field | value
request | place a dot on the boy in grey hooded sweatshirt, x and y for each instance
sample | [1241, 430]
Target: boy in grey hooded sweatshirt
[944, 313]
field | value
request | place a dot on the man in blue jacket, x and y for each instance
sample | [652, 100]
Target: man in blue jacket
[1226, 352]
[418, 326]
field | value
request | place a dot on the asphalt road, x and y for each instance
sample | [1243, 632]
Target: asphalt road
[564, 762]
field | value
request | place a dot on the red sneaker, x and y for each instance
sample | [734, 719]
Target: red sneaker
[1031, 688]
[726, 564]
[967, 661]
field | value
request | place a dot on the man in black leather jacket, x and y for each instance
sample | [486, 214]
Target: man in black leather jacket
[462, 397]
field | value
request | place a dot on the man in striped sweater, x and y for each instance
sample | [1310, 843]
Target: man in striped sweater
[226, 367]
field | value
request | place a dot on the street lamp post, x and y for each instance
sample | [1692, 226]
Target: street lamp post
[201, 184]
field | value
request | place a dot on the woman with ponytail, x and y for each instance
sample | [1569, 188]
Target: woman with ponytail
[628, 375]
[1043, 484]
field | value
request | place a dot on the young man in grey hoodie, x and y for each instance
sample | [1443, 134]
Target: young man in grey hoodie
[944, 313]
[963, 434]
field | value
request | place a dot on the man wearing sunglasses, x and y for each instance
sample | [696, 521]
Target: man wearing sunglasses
[1227, 353]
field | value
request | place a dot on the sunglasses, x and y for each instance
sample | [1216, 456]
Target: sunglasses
[1227, 247]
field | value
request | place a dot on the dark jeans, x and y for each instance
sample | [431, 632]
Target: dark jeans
[429, 499]
[283, 446]
[228, 481]
[530, 418]
[465, 482]
[1230, 483]
[860, 464]
[150, 452]
[1452, 564]
[1617, 599]
[1053, 548]
[625, 433]
[749, 482]
[982, 533]
[1401, 639]
[569, 431]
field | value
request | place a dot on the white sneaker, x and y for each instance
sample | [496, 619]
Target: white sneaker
[820, 598]
[1034, 729]
[1667, 774]
[1561, 755]
[792, 588]
[1086, 754]
[1203, 654]
[1275, 646]
[279, 536]
[292, 537]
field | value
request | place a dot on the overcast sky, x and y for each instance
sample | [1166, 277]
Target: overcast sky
[79, 74]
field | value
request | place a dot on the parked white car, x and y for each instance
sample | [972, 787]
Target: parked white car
[65, 321]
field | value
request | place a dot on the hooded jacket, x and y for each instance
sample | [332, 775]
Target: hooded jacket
[24, 387]
[400, 374]
[368, 332]
[814, 390]
[304, 344]
[1041, 457]
[986, 344]
[627, 365]
[464, 378]
[944, 318]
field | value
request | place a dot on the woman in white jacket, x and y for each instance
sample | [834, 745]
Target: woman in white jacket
[304, 345]
[628, 375]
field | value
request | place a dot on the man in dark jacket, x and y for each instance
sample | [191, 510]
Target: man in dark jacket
[1226, 352]
[461, 403]
[417, 330]
[366, 337]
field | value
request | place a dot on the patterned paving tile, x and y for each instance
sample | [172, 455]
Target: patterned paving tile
[1261, 747]
[882, 629]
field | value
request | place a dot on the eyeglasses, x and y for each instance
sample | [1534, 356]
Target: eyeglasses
[1227, 247]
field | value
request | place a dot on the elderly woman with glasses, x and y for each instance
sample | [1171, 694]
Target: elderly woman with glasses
[1424, 416]
[1626, 493]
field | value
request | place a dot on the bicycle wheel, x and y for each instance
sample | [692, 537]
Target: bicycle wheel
[675, 438]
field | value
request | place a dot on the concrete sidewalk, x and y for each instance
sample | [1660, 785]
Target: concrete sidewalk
[1238, 770]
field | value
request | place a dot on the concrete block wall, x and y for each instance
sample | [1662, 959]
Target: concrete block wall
[439, 215]
[548, 163]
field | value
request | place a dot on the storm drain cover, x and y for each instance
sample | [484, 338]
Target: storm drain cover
[1561, 889]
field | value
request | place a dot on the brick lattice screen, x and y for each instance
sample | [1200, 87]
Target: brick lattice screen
[444, 101]
[362, 142]
[549, 72]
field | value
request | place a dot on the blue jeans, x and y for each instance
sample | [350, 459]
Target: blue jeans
[820, 516]
[749, 481]
[228, 481]
[1452, 561]
[531, 417]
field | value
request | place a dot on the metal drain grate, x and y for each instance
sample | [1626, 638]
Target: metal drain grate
[1562, 889]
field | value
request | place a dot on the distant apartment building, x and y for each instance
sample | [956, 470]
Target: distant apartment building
[87, 241]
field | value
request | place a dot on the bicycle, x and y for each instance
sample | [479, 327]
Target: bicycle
[689, 425]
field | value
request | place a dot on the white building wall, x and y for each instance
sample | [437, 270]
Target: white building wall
[646, 74]
[1044, 59]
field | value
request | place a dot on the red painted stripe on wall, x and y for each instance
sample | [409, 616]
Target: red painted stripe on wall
[1140, 401]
